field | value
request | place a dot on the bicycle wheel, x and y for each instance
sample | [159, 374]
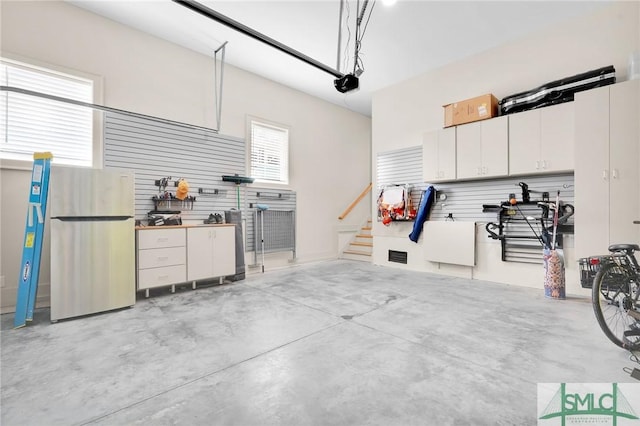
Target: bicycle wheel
[614, 294]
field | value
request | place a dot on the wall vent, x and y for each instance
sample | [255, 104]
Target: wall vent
[398, 256]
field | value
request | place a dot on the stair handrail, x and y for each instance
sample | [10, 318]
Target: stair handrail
[356, 201]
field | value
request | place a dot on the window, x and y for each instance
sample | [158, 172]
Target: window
[31, 124]
[269, 153]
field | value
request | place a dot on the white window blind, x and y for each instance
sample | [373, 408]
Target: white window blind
[269, 153]
[31, 124]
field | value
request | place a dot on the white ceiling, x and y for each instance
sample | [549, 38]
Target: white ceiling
[401, 41]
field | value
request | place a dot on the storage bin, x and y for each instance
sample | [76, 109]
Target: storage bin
[588, 270]
[554, 274]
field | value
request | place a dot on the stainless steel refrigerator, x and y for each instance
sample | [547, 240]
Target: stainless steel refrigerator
[92, 241]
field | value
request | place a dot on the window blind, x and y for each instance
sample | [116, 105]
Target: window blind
[269, 153]
[30, 124]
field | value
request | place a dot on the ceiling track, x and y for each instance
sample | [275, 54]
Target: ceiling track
[225, 20]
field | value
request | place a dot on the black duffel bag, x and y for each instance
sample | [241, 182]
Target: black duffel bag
[557, 92]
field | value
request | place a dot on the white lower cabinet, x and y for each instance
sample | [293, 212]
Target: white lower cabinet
[168, 256]
[161, 277]
[210, 252]
[161, 257]
[224, 251]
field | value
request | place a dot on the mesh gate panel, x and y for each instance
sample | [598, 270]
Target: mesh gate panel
[279, 231]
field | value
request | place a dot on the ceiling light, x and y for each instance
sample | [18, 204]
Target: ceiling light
[389, 2]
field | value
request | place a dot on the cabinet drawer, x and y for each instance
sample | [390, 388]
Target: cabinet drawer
[155, 258]
[158, 277]
[159, 238]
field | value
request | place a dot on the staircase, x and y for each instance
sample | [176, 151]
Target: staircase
[361, 246]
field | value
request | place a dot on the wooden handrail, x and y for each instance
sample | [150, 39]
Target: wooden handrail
[356, 201]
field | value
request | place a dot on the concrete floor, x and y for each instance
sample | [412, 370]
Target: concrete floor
[330, 343]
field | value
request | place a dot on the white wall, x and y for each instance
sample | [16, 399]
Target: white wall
[330, 146]
[403, 112]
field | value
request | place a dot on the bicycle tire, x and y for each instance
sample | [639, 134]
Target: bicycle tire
[614, 293]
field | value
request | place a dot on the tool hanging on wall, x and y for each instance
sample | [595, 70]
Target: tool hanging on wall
[237, 180]
[515, 217]
[526, 193]
[163, 183]
[261, 209]
[165, 201]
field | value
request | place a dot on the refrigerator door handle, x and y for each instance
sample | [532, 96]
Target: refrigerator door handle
[91, 218]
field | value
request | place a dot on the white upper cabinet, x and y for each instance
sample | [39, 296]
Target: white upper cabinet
[557, 137]
[482, 149]
[439, 155]
[542, 140]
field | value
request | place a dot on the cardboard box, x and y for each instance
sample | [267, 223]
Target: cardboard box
[474, 109]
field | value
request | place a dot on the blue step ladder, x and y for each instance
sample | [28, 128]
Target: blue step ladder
[33, 236]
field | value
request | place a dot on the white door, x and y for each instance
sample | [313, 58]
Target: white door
[224, 251]
[557, 137]
[447, 153]
[524, 142]
[92, 267]
[592, 172]
[495, 147]
[199, 253]
[468, 147]
[624, 164]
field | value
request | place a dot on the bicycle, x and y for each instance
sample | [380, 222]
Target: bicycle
[616, 295]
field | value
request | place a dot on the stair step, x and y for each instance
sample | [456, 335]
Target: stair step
[365, 244]
[356, 257]
[358, 252]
